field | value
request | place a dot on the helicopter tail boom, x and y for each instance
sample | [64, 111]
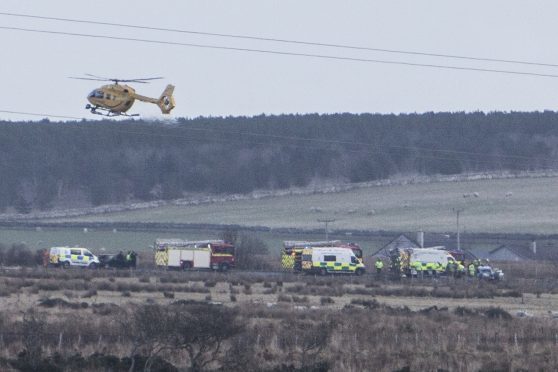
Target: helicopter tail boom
[166, 101]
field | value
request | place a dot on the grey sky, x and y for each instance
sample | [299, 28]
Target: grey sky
[220, 83]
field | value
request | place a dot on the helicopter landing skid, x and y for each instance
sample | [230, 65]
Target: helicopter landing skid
[105, 112]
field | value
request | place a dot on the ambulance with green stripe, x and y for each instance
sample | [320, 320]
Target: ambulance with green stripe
[67, 257]
[331, 260]
[416, 261]
[291, 257]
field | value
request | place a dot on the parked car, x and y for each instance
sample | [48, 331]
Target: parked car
[118, 260]
[487, 272]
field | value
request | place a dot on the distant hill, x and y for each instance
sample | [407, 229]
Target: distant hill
[44, 164]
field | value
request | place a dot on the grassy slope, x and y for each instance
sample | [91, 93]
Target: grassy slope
[533, 208]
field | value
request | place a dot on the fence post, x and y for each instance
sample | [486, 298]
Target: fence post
[60, 341]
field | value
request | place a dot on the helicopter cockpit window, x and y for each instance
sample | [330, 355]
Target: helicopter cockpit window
[96, 94]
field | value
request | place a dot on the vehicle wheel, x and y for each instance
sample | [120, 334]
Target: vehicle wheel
[323, 271]
[186, 265]
[224, 267]
[359, 272]
[66, 265]
[92, 266]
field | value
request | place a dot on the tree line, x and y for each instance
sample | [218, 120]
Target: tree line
[43, 164]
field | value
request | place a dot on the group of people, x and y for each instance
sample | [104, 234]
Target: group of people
[457, 269]
[460, 269]
[125, 260]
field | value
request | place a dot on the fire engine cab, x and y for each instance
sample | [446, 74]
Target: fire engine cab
[199, 254]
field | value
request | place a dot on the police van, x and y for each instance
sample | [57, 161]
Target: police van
[66, 257]
[335, 260]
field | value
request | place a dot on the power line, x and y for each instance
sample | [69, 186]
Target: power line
[276, 52]
[279, 40]
[42, 115]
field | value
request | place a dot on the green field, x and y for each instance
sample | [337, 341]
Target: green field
[100, 240]
[531, 206]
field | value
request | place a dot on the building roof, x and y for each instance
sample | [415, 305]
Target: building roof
[402, 242]
[526, 252]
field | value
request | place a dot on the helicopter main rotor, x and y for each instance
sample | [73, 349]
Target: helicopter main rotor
[115, 80]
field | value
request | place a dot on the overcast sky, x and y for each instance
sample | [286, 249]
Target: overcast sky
[35, 66]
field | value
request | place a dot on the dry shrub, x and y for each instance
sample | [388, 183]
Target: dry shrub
[168, 294]
[271, 290]
[371, 304]
[298, 299]
[497, 313]
[326, 301]
[58, 302]
[90, 293]
[310, 290]
[105, 309]
[106, 286]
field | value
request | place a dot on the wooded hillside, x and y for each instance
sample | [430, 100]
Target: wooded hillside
[44, 163]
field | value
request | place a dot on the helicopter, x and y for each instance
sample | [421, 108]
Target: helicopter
[116, 99]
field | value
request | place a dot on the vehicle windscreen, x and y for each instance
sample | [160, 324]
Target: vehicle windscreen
[96, 94]
[226, 249]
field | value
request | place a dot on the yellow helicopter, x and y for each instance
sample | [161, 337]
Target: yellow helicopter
[116, 100]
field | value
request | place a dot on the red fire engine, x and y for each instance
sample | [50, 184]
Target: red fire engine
[199, 254]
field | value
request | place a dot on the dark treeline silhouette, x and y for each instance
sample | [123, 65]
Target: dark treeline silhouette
[44, 163]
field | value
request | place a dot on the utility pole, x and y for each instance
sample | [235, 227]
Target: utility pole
[458, 211]
[326, 221]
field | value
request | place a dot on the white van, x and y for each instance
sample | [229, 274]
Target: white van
[324, 260]
[66, 257]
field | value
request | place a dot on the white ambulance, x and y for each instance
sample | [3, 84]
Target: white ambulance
[334, 260]
[66, 257]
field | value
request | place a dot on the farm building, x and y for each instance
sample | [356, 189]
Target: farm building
[522, 252]
[423, 239]
[401, 242]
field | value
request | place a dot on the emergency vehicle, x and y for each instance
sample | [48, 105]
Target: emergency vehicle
[412, 261]
[291, 257]
[334, 260]
[199, 254]
[66, 257]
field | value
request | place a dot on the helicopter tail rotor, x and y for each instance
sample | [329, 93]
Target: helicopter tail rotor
[166, 101]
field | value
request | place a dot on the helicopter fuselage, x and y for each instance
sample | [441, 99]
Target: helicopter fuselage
[114, 98]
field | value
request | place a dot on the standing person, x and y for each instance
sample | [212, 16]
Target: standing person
[379, 266]
[46, 258]
[129, 259]
[450, 268]
[472, 270]
[460, 269]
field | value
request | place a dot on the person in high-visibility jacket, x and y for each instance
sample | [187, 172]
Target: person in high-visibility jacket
[379, 265]
[472, 269]
[460, 269]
